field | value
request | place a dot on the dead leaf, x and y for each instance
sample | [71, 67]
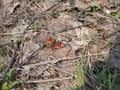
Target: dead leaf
[12, 7]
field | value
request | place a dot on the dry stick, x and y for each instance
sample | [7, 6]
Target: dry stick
[49, 80]
[32, 55]
[61, 70]
[115, 32]
[108, 22]
[63, 59]
[59, 79]
[26, 31]
[4, 34]
[70, 28]
[14, 33]
[10, 64]
[12, 61]
[54, 61]
[71, 58]
[25, 8]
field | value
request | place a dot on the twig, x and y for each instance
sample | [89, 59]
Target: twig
[14, 33]
[32, 55]
[115, 32]
[49, 80]
[10, 64]
[61, 70]
[28, 31]
[65, 58]
[25, 8]
[71, 58]
[108, 22]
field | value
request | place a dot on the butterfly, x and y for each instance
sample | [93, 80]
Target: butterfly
[53, 44]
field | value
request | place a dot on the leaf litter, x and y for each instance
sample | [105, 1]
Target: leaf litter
[82, 35]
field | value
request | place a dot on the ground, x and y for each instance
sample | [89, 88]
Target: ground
[60, 44]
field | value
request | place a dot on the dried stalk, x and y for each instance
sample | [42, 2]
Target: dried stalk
[49, 80]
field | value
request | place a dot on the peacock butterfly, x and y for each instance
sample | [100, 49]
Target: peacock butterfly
[53, 44]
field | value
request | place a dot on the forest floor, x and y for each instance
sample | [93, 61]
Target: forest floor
[60, 44]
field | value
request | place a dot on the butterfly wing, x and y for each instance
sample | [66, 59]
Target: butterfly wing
[53, 44]
[59, 44]
[50, 42]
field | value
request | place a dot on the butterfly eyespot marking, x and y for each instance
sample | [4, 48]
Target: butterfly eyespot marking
[62, 44]
[59, 44]
[55, 47]
[48, 43]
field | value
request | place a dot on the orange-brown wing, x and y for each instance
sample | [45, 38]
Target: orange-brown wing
[59, 44]
[50, 40]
